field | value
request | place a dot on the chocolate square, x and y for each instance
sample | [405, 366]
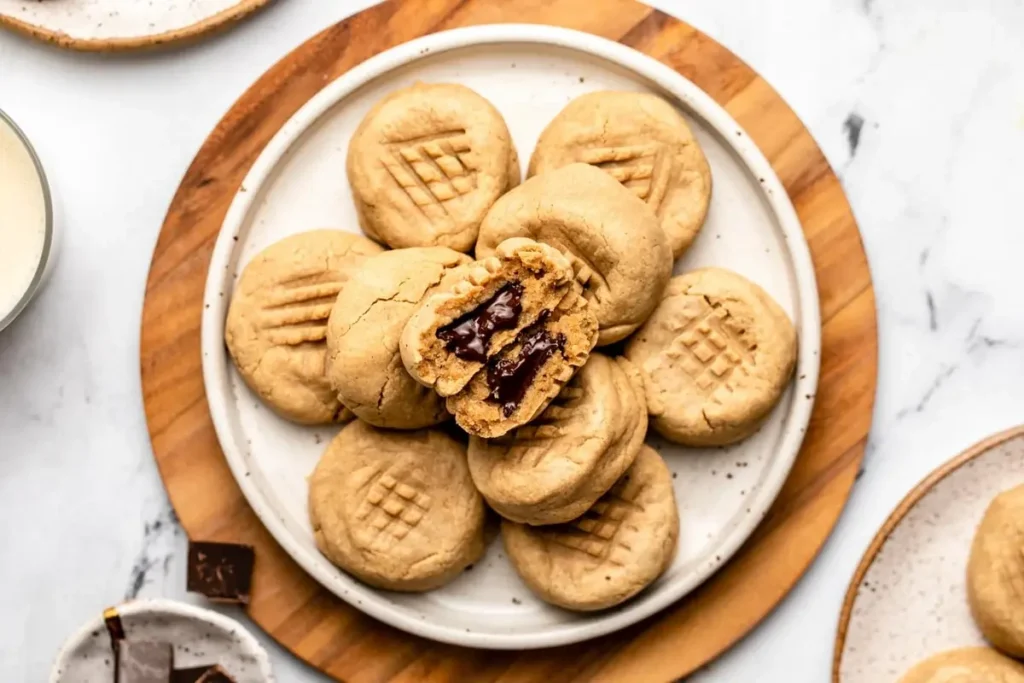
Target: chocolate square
[144, 661]
[221, 571]
[216, 675]
[202, 674]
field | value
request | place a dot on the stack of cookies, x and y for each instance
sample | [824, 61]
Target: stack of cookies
[551, 347]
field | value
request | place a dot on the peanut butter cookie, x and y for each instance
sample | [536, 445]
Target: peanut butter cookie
[396, 509]
[715, 356]
[277, 321]
[427, 163]
[555, 468]
[615, 550]
[617, 249]
[966, 665]
[644, 143]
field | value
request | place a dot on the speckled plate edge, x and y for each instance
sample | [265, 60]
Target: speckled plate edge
[808, 321]
[159, 606]
[893, 521]
[210, 24]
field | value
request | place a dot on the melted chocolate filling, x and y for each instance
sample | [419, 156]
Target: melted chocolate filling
[469, 336]
[508, 379]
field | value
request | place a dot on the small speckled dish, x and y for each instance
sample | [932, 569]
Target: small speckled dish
[199, 635]
[109, 25]
[908, 598]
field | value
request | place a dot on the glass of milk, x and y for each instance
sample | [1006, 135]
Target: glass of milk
[26, 222]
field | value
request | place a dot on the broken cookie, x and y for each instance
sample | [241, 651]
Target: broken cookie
[501, 342]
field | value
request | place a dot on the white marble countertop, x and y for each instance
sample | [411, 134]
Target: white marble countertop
[918, 104]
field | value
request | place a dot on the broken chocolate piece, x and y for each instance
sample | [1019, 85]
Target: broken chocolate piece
[469, 336]
[508, 379]
[190, 675]
[144, 661]
[216, 675]
[221, 571]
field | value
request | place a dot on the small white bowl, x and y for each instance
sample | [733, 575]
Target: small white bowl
[49, 250]
[200, 636]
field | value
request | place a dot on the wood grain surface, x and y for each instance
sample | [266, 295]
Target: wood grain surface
[209, 25]
[336, 638]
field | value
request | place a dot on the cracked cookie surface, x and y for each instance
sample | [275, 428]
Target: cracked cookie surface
[364, 364]
[644, 143]
[502, 340]
[618, 251]
[397, 510]
[426, 164]
[966, 665]
[715, 357]
[625, 541]
[555, 468]
[995, 573]
[276, 325]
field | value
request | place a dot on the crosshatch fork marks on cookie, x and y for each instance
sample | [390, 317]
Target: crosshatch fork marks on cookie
[551, 424]
[395, 503]
[297, 311]
[605, 531]
[643, 169]
[432, 169]
[710, 352]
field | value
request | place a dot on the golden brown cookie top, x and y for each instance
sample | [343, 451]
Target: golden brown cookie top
[611, 553]
[716, 355]
[396, 509]
[995, 573]
[643, 142]
[277, 320]
[554, 468]
[966, 665]
[426, 164]
[364, 364]
[617, 249]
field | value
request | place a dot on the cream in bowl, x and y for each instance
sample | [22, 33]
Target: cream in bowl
[26, 222]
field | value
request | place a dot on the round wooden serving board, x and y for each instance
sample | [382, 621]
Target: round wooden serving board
[338, 639]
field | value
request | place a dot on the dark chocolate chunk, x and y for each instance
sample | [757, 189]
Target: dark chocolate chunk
[469, 336]
[144, 661]
[221, 571]
[508, 379]
[188, 675]
[202, 674]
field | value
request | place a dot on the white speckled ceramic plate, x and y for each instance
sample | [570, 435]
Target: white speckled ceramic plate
[105, 25]
[908, 598]
[200, 637]
[529, 73]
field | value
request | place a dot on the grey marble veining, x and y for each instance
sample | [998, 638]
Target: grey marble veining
[918, 105]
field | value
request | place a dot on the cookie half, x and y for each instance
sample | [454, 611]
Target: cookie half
[618, 251]
[503, 339]
[364, 364]
[966, 665]
[715, 356]
[616, 549]
[644, 143]
[995, 573]
[396, 509]
[427, 163]
[553, 469]
[276, 325]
